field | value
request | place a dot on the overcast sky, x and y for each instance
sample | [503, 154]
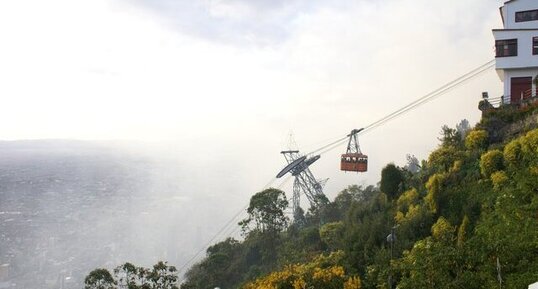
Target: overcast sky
[235, 77]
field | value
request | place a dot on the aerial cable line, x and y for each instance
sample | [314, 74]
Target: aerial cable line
[226, 227]
[416, 103]
[333, 146]
[211, 240]
[235, 229]
[269, 183]
[314, 145]
[422, 100]
[440, 91]
[337, 142]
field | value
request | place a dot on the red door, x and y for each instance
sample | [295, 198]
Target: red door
[520, 89]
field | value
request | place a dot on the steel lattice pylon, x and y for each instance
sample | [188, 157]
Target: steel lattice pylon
[304, 182]
[353, 143]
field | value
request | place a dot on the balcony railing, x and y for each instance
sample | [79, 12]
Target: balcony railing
[525, 99]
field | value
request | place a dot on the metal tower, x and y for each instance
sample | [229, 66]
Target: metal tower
[353, 143]
[304, 182]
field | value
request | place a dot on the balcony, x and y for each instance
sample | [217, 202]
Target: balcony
[514, 49]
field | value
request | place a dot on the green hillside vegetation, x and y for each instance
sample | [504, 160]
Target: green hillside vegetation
[467, 217]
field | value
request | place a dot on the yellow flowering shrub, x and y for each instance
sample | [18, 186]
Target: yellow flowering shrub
[498, 179]
[408, 198]
[353, 283]
[529, 147]
[316, 274]
[512, 152]
[523, 149]
[476, 139]
[456, 167]
[299, 284]
[491, 162]
[328, 274]
[442, 230]
[400, 217]
[434, 187]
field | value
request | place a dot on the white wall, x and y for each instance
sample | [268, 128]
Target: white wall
[525, 64]
[508, 74]
[524, 56]
[533, 286]
[516, 6]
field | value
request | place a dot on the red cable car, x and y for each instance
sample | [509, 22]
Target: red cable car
[354, 160]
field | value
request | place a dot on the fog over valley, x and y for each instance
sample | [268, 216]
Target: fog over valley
[67, 207]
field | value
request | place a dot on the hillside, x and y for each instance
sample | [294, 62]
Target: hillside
[464, 218]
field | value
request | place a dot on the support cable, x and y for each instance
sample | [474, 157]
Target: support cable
[326, 148]
[416, 103]
[226, 228]
[432, 95]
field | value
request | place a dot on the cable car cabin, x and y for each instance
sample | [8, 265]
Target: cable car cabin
[354, 162]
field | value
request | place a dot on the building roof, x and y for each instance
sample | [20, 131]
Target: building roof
[515, 29]
[509, 1]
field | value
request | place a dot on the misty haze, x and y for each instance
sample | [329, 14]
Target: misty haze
[67, 207]
[262, 144]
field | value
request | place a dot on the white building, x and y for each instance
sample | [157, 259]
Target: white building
[516, 49]
[533, 286]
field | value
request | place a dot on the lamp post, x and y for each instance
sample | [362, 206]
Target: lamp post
[391, 238]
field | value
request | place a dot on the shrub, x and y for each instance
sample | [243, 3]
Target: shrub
[443, 158]
[476, 139]
[407, 199]
[512, 153]
[498, 179]
[332, 234]
[529, 147]
[491, 162]
[320, 273]
[442, 230]
[434, 186]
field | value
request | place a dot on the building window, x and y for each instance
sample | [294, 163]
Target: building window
[524, 16]
[505, 48]
[535, 45]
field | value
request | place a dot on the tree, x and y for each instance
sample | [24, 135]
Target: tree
[220, 268]
[463, 231]
[391, 181]
[299, 219]
[413, 165]
[435, 189]
[332, 235]
[266, 212]
[163, 276]
[127, 275]
[443, 158]
[463, 128]
[99, 279]
[450, 137]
